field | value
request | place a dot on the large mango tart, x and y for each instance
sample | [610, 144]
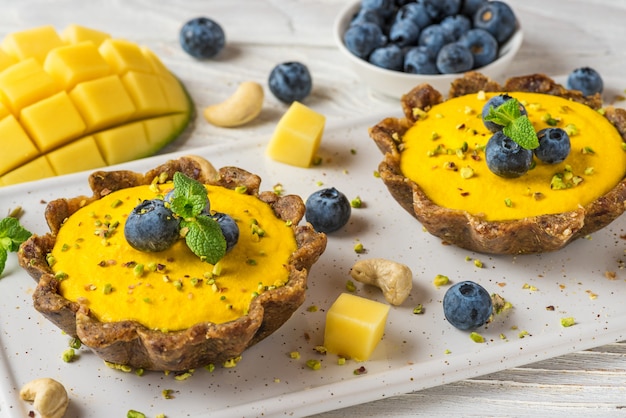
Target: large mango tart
[171, 310]
[434, 166]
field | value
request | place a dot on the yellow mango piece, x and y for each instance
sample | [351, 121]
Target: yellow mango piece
[6, 60]
[25, 83]
[52, 122]
[124, 143]
[33, 170]
[4, 111]
[74, 34]
[354, 326]
[177, 98]
[124, 56]
[18, 149]
[103, 102]
[82, 154]
[32, 43]
[157, 65]
[146, 93]
[73, 64]
[297, 136]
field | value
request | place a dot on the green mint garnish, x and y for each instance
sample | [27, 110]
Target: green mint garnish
[515, 125]
[203, 234]
[12, 235]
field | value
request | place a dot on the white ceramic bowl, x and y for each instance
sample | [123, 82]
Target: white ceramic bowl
[396, 83]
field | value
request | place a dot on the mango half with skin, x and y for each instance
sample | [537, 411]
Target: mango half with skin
[80, 100]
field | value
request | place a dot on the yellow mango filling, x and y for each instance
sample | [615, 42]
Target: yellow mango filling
[354, 326]
[444, 154]
[172, 289]
[79, 87]
[297, 136]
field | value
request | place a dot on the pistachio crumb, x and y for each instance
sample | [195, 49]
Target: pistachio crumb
[568, 321]
[294, 355]
[418, 310]
[350, 286]
[314, 364]
[69, 355]
[441, 280]
[356, 202]
[476, 337]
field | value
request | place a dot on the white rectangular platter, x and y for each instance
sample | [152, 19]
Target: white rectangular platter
[417, 351]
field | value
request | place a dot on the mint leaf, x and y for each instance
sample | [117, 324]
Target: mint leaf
[12, 235]
[514, 125]
[205, 239]
[522, 131]
[192, 196]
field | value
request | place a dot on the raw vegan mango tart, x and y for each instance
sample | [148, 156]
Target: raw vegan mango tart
[435, 166]
[171, 309]
[81, 100]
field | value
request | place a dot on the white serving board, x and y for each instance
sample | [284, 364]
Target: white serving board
[418, 351]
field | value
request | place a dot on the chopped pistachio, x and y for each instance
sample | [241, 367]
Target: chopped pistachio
[589, 171]
[478, 263]
[360, 371]
[356, 202]
[138, 270]
[568, 321]
[587, 150]
[314, 364]
[60, 275]
[184, 376]
[571, 129]
[341, 361]
[294, 355]
[116, 203]
[467, 172]
[476, 337]
[508, 202]
[350, 286]
[419, 309]
[359, 248]
[210, 367]
[69, 355]
[167, 393]
[522, 334]
[75, 343]
[135, 414]
[232, 362]
[441, 280]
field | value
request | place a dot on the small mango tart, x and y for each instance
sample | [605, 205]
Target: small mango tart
[434, 166]
[170, 310]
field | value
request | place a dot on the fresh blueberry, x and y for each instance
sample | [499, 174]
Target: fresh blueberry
[456, 25]
[497, 18]
[585, 79]
[482, 44]
[467, 305]
[229, 227]
[419, 60]
[290, 81]
[495, 102]
[434, 37]
[439, 9]
[385, 7]
[202, 38]
[368, 16]
[554, 145]
[505, 157]
[151, 226]
[404, 32]
[362, 39]
[470, 7]
[389, 57]
[454, 58]
[415, 12]
[327, 210]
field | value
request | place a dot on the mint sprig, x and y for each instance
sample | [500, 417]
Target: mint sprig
[202, 233]
[12, 235]
[514, 125]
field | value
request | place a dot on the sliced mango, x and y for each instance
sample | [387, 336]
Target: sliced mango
[81, 100]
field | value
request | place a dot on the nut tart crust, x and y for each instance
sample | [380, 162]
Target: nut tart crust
[536, 234]
[132, 344]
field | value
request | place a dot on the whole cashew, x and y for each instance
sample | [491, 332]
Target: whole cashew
[243, 106]
[49, 397]
[394, 279]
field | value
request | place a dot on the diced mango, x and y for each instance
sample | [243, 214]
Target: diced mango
[32, 43]
[52, 122]
[297, 136]
[25, 83]
[33, 170]
[124, 56]
[18, 149]
[82, 100]
[124, 143]
[146, 93]
[74, 34]
[354, 326]
[82, 154]
[103, 102]
[73, 64]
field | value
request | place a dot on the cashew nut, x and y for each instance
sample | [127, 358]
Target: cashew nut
[243, 106]
[394, 279]
[49, 397]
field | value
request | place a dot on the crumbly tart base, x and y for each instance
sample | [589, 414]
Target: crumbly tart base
[130, 343]
[536, 234]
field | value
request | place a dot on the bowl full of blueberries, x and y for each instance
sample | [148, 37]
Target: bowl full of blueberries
[395, 45]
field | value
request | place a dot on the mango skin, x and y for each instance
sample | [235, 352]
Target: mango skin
[81, 100]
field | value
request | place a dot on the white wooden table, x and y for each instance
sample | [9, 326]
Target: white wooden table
[560, 35]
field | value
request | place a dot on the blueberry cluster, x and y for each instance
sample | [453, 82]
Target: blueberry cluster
[152, 226]
[430, 36]
[506, 158]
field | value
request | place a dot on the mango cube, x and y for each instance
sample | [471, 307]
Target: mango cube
[6, 60]
[73, 64]
[33, 170]
[124, 56]
[74, 34]
[146, 93]
[82, 154]
[19, 149]
[297, 136]
[123, 143]
[354, 326]
[25, 83]
[32, 43]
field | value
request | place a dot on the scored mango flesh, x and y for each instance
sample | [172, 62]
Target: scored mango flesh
[81, 100]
